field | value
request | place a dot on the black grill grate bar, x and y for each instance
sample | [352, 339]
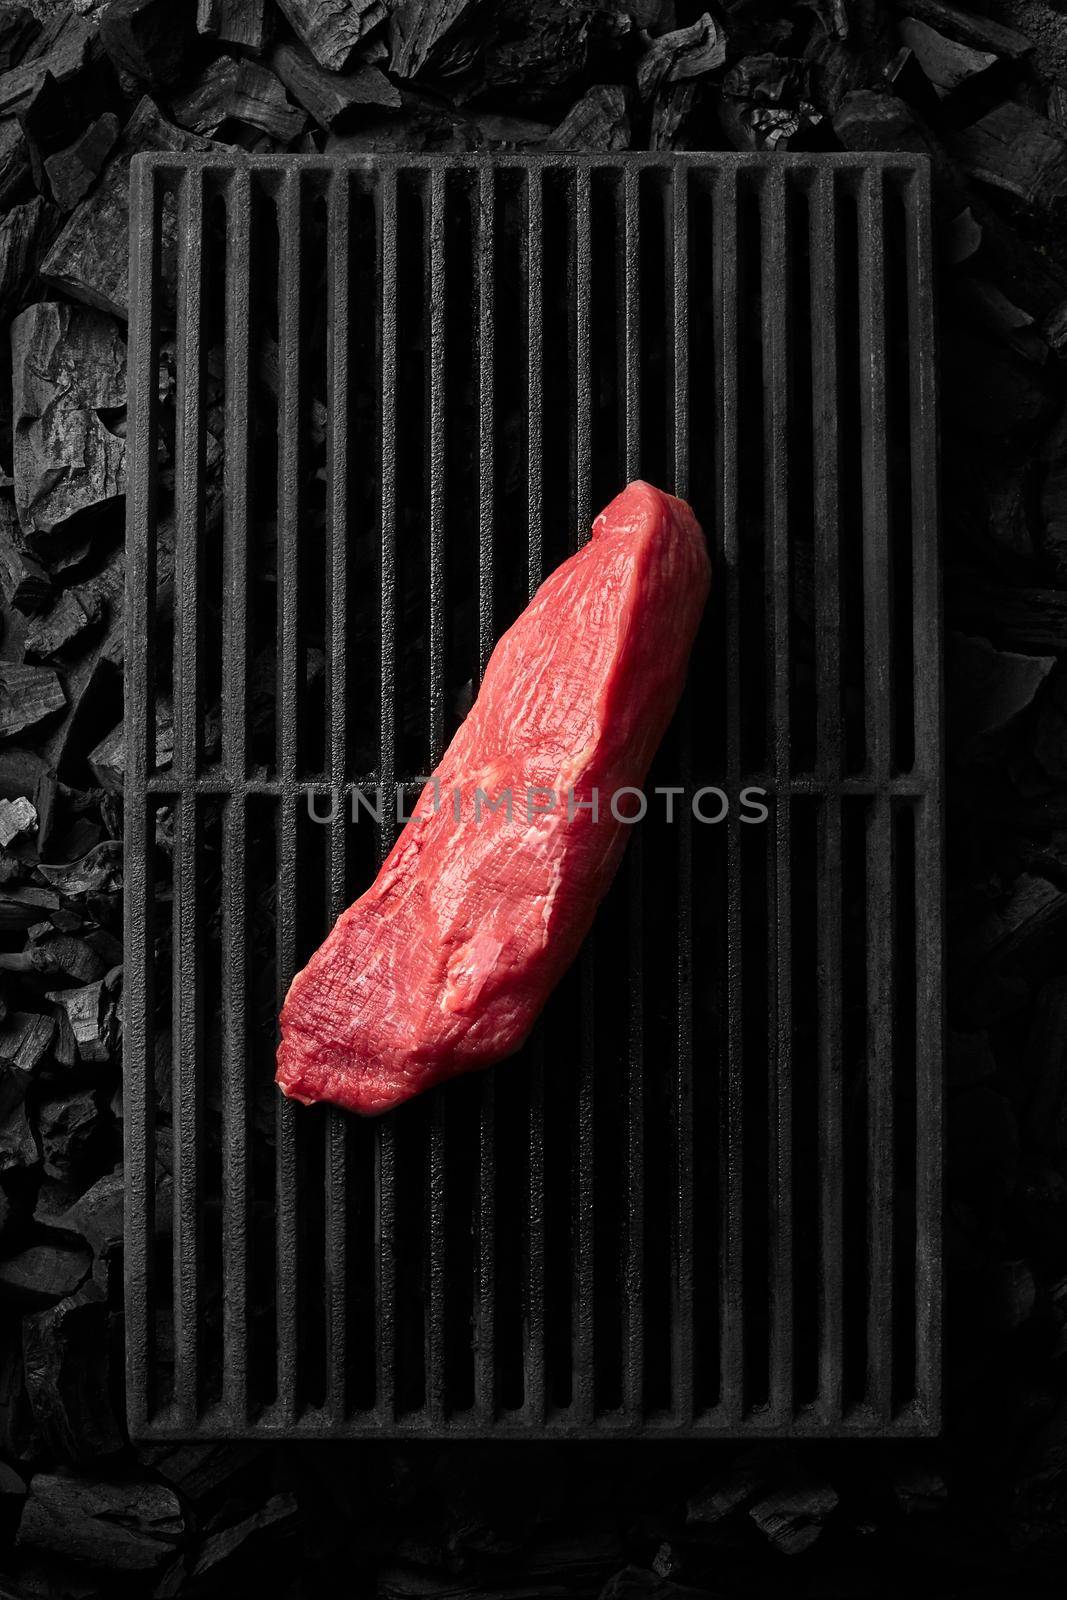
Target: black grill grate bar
[928, 869]
[139, 903]
[823, 247]
[630, 437]
[337, 288]
[235, 1196]
[877, 619]
[725, 559]
[533, 1330]
[775, 262]
[385, 1128]
[287, 1265]
[484, 206]
[583, 1397]
[676, 244]
[437, 377]
[187, 1077]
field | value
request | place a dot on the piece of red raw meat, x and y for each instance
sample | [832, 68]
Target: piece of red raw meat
[444, 964]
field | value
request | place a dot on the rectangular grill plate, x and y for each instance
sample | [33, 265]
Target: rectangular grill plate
[372, 402]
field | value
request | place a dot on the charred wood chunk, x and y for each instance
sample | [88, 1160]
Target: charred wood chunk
[97, 1215]
[89, 258]
[222, 1549]
[16, 817]
[418, 32]
[98, 872]
[201, 1471]
[241, 23]
[18, 30]
[25, 1037]
[792, 1517]
[149, 39]
[670, 114]
[71, 1130]
[332, 99]
[15, 174]
[69, 374]
[988, 689]
[947, 64]
[18, 1148]
[981, 33]
[44, 1273]
[333, 30]
[88, 1011]
[62, 624]
[66, 1360]
[25, 234]
[24, 582]
[72, 171]
[21, 905]
[600, 120]
[70, 42]
[24, 774]
[232, 90]
[27, 696]
[685, 53]
[113, 1527]
[1022, 154]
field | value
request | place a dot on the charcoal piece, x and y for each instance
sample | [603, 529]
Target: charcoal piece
[149, 39]
[113, 1527]
[1001, 956]
[904, 75]
[70, 42]
[770, 80]
[982, 33]
[66, 1361]
[77, 671]
[25, 583]
[792, 1517]
[16, 817]
[15, 172]
[240, 23]
[23, 904]
[89, 260]
[72, 171]
[69, 366]
[759, 127]
[98, 872]
[1020, 153]
[25, 1037]
[43, 1273]
[27, 696]
[25, 234]
[598, 121]
[988, 307]
[418, 32]
[71, 1130]
[49, 120]
[18, 30]
[833, 17]
[987, 689]
[61, 624]
[12, 1496]
[731, 1491]
[332, 99]
[68, 957]
[18, 1148]
[90, 1018]
[333, 30]
[670, 114]
[240, 91]
[22, 773]
[948, 64]
[200, 1471]
[918, 1488]
[97, 1215]
[275, 1518]
[686, 53]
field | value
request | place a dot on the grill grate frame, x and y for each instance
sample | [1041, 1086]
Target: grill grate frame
[745, 1258]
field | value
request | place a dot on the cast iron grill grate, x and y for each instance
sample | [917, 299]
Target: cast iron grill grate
[705, 1199]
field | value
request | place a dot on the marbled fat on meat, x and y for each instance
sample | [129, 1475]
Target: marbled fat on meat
[444, 964]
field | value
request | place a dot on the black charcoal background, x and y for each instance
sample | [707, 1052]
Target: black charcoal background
[983, 89]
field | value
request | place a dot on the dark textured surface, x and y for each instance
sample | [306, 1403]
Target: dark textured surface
[981, 1512]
